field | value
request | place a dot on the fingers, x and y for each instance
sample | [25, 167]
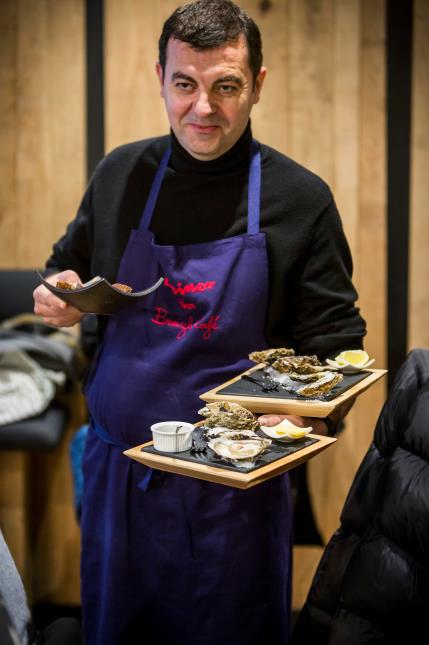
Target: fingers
[45, 301]
[53, 310]
[47, 304]
[68, 321]
[65, 318]
[271, 419]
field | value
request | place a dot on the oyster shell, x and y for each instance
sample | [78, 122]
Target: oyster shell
[298, 364]
[325, 384]
[228, 415]
[238, 450]
[270, 355]
[306, 378]
[230, 434]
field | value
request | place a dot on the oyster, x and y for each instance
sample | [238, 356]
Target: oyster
[306, 378]
[229, 415]
[230, 434]
[298, 364]
[325, 384]
[238, 450]
[270, 355]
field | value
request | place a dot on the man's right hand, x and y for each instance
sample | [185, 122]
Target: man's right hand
[55, 311]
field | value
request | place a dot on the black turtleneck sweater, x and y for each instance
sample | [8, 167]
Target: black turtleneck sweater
[311, 301]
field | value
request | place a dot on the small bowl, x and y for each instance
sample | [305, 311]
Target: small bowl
[167, 438]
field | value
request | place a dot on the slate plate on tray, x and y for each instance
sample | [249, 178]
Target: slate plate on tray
[279, 458]
[98, 296]
[275, 451]
[255, 387]
[243, 390]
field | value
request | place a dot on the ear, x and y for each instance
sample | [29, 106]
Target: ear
[259, 81]
[160, 75]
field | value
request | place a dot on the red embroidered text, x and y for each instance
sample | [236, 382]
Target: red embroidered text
[186, 305]
[207, 327]
[181, 290]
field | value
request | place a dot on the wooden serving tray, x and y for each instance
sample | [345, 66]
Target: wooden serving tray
[267, 404]
[218, 475]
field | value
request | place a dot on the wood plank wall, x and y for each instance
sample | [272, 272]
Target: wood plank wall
[323, 104]
[362, 202]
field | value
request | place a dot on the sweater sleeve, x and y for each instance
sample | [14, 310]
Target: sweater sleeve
[326, 319]
[73, 249]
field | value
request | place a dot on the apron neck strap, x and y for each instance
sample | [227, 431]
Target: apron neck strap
[253, 197]
[254, 189]
[154, 191]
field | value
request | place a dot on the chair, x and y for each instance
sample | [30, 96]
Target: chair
[44, 431]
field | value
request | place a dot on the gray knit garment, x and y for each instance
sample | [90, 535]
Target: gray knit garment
[13, 593]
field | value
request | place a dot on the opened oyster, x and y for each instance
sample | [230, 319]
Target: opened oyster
[231, 447]
[325, 384]
[269, 356]
[298, 364]
[306, 378]
[241, 434]
[230, 431]
[228, 415]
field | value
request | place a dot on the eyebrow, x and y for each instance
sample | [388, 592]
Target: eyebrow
[230, 79]
[224, 79]
[177, 75]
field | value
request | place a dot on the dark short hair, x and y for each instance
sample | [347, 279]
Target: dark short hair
[206, 24]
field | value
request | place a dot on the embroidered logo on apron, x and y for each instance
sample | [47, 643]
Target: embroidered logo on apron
[163, 317]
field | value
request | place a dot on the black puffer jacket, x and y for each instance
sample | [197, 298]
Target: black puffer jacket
[372, 584]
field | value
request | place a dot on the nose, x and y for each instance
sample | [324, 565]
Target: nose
[203, 105]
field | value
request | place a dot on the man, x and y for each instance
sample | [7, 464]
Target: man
[253, 252]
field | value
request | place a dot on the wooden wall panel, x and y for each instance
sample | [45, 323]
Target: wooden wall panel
[52, 526]
[270, 117]
[13, 508]
[418, 318]
[134, 108]
[364, 214]
[8, 132]
[42, 126]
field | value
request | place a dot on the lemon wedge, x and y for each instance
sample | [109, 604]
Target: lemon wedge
[298, 434]
[355, 357]
[286, 430]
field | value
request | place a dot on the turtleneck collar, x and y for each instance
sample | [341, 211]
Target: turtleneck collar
[234, 159]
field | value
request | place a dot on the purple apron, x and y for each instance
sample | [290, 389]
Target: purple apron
[168, 559]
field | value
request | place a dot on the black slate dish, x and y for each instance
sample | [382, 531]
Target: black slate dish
[98, 296]
[276, 450]
[260, 384]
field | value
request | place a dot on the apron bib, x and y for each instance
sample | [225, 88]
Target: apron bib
[185, 561]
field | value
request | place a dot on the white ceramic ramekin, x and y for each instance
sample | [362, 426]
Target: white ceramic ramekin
[172, 436]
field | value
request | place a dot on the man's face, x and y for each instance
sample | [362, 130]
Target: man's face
[208, 95]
